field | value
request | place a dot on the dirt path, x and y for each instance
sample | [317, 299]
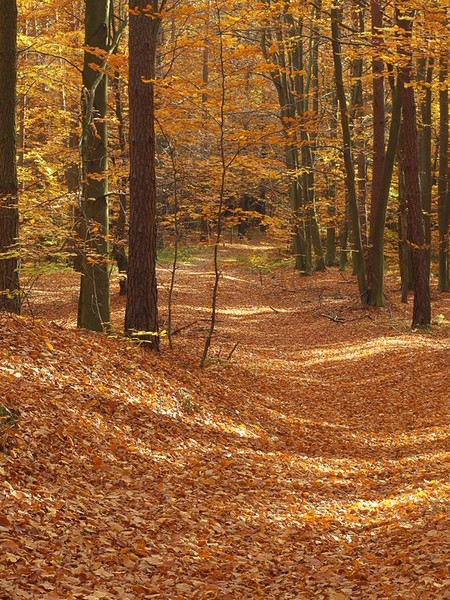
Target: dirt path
[314, 464]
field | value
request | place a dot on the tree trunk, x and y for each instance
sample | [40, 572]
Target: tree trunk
[118, 251]
[331, 193]
[348, 159]
[381, 170]
[141, 316]
[283, 86]
[379, 206]
[443, 183]
[93, 303]
[9, 214]
[426, 172]
[422, 307]
[307, 140]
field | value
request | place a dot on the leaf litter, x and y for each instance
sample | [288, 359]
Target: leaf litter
[313, 464]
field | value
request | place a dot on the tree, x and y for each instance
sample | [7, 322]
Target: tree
[9, 214]
[141, 316]
[93, 304]
[422, 307]
[360, 267]
[443, 178]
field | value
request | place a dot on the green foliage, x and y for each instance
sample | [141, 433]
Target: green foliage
[265, 263]
[184, 255]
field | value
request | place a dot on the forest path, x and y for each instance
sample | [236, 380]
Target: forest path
[313, 464]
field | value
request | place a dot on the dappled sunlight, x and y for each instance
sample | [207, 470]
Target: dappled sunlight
[370, 348]
[245, 311]
[317, 454]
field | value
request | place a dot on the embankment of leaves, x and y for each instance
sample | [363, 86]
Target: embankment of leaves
[312, 467]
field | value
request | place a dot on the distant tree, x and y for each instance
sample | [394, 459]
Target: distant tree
[350, 178]
[141, 315]
[9, 215]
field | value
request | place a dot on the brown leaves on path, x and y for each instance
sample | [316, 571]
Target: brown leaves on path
[315, 464]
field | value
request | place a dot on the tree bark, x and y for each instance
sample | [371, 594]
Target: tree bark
[331, 193]
[93, 303]
[141, 316]
[9, 214]
[443, 182]
[360, 267]
[426, 171]
[422, 307]
[375, 258]
[378, 217]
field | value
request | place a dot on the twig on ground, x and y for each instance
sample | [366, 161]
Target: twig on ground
[338, 319]
[230, 354]
[175, 331]
[333, 317]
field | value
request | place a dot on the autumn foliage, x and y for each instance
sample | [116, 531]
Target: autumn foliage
[263, 410]
[313, 464]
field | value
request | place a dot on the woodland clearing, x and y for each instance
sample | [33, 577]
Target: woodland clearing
[312, 463]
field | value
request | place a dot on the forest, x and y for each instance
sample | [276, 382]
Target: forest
[224, 299]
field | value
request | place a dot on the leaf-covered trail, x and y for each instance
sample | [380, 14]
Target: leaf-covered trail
[314, 464]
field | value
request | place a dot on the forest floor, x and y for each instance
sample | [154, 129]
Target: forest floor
[312, 463]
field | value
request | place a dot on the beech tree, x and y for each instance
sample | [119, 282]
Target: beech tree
[9, 215]
[317, 158]
[93, 305]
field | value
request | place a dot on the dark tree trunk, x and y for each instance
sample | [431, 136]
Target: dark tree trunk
[383, 163]
[9, 215]
[331, 194]
[443, 182]
[422, 306]
[378, 217]
[378, 115]
[141, 317]
[93, 303]
[426, 171]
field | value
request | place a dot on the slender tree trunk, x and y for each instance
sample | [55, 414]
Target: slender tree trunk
[379, 115]
[357, 114]
[118, 252]
[9, 214]
[422, 306]
[204, 221]
[426, 172]
[443, 180]
[375, 259]
[378, 220]
[307, 140]
[93, 303]
[287, 116]
[331, 193]
[141, 317]
[348, 159]
[343, 238]
[403, 248]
